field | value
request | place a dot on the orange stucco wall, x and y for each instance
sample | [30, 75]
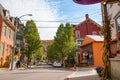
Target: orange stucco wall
[98, 53]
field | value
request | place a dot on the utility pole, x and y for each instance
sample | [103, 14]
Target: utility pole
[107, 36]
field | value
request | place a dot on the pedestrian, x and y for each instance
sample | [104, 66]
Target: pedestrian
[18, 64]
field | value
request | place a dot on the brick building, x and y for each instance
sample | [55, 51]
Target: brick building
[87, 27]
[7, 30]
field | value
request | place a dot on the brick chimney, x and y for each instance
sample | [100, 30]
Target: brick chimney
[87, 16]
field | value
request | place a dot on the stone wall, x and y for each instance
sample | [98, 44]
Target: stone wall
[115, 68]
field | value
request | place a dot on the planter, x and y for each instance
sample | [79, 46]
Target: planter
[118, 35]
[112, 42]
[118, 51]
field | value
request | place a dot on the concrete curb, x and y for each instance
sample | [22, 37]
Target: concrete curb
[83, 75]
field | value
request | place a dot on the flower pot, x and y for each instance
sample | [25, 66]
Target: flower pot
[118, 35]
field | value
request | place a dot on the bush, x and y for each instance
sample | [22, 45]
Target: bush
[99, 70]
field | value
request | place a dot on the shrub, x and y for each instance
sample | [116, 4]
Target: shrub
[99, 70]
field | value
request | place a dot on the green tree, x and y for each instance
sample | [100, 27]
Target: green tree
[32, 39]
[69, 43]
[52, 53]
[60, 41]
[63, 45]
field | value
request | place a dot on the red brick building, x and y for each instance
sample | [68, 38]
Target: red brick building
[87, 27]
[7, 30]
[45, 44]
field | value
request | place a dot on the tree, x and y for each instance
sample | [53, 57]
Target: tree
[70, 43]
[32, 39]
[63, 45]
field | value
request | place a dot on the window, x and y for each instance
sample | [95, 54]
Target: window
[2, 49]
[118, 24]
[117, 21]
[3, 31]
[79, 42]
[111, 5]
[4, 12]
[94, 33]
[9, 33]
[77, 33]
[100, 33]
[18, 43]
[12, 35]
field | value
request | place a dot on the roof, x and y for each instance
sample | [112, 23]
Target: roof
[92, 38]
[96, 37]
[92, 21]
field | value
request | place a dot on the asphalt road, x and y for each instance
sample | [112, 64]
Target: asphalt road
[41, 72]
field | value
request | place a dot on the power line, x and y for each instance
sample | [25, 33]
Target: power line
[47, 27]
[65, 20]
[51, 21]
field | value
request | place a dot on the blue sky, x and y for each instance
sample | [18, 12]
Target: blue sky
[45, 11]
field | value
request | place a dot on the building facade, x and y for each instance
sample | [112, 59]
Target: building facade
[45, 44]
[114, 16]
[92, 51]
[7, 30]
[87, 27]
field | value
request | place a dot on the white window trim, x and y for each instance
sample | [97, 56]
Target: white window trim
[77, 34]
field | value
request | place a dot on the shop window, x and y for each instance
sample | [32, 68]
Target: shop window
[87, 57]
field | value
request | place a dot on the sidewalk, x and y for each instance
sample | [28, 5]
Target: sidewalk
[3, 69]
[7, 69]
[83, 74]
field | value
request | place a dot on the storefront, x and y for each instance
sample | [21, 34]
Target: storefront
[92, 51]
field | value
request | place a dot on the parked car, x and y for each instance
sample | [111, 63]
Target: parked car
[57, 64]
[50, 63]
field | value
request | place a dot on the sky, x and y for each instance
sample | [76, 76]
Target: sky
[49, 14]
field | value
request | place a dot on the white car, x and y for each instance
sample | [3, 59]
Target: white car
[57, 64]
[50, 63]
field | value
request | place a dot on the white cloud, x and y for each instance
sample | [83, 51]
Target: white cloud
[41, 9]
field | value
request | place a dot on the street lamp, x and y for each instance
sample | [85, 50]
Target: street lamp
[14, 45]
[25, 15]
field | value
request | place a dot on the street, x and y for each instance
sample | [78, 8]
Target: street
[41, 72]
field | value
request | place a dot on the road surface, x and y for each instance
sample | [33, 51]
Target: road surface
[40, 72]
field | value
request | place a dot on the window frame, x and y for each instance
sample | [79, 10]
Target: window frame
[117, 16]
[77, 34]
[2, 45]
[94, 32]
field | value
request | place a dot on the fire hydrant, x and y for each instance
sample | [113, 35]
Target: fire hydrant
[75, 68]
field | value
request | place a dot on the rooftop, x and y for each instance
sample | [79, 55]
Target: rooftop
[96, 37]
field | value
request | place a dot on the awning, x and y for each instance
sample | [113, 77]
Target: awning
[87, 2]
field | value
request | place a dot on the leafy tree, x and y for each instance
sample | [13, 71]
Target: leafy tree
[69, 43]
[52, 53]
[32, 39]
[63, 45]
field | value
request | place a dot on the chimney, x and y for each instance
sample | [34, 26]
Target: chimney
[87, 16]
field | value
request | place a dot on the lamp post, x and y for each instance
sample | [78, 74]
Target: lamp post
[25, 15]
[12, 65]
